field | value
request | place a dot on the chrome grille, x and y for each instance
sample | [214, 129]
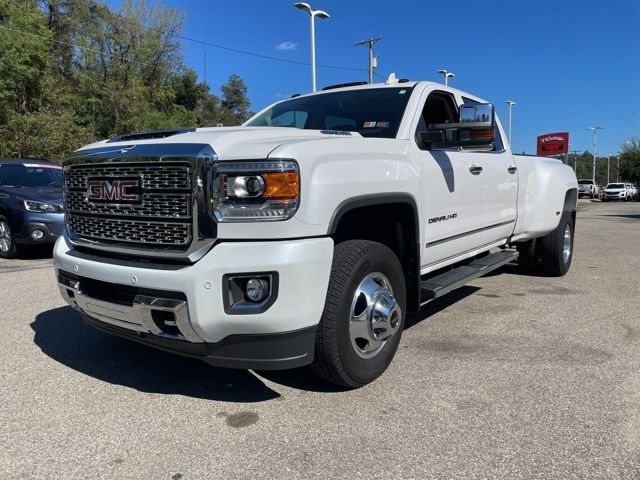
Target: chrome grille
[119, 230]
[158, 176]
[162, 217]
[154, 205]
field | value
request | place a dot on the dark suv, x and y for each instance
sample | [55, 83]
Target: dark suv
[30, 204]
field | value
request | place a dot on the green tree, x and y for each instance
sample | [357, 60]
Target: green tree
[630, 160]
[75, 71]
[235, 100]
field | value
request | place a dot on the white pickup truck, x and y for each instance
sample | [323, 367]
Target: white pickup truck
[306, 235]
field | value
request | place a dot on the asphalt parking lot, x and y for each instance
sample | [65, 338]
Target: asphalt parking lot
[510, 376]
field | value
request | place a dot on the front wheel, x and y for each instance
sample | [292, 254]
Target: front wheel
[8, 247]
[363, 316]
[556, 248]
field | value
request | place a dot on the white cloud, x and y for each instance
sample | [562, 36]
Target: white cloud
[287, 46]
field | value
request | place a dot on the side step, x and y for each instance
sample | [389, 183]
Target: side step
[445, 282]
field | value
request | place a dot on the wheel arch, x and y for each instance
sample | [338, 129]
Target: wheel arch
[388, 218]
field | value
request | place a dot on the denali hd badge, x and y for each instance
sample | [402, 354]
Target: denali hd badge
[124, 190]
[451, 216]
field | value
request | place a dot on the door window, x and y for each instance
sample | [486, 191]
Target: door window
[440, 107]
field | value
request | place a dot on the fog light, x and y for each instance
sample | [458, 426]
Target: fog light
[37, 234]
[256, 289]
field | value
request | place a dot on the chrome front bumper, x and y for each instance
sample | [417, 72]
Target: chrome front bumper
[138, 317]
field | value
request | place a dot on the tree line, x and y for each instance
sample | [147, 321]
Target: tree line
[624, 167]
[75, 71]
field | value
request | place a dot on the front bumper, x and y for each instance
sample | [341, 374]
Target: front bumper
[50, 224]
[130, 301]
[614, 196]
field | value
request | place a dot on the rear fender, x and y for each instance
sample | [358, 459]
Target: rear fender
[547, 189]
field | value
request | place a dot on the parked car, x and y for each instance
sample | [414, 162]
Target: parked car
[615, 191]
[588, 188]
[30, 204]
[269, 247]
[632, 192]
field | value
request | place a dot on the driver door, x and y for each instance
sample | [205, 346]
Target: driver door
[452, 189]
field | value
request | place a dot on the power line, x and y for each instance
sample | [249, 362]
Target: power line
[236, 50]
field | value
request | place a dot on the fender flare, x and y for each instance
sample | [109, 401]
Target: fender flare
[412, 266]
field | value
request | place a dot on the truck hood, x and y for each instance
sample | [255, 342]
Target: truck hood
[233, 143]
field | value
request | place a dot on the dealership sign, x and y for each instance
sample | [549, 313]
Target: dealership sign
[552, 144]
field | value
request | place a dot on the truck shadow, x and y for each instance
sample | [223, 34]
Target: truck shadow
[62, 335]
[439, 304]
[35, 252]
[623, 215]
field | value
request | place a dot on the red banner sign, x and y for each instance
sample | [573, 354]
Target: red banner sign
[552, 144]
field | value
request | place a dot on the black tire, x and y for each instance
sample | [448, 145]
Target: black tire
[12, 251]
[335, 358]
[551, 246]
[528, 260]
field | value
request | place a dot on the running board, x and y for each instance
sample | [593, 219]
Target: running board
[437, 286]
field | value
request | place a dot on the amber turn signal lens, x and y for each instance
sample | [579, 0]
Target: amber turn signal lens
[482, 133]
[282, 185]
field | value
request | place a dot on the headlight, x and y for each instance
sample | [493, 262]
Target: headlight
[264, 191]
[33, 206]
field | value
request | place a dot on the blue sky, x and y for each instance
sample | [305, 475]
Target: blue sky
[568, 64]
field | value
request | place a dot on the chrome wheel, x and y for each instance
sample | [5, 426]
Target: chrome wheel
[566, 246]
[375, 315]
[5, 237]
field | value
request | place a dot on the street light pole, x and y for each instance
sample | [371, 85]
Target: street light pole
[511, 103]
[595, 134]
[312, 14]
[447, 75]
[608, 163]
[575, 159]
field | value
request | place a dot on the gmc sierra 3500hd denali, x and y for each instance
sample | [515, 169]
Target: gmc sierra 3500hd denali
[271, 248]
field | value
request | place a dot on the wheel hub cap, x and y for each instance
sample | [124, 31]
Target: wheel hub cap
[5, 237]
[375, 315]
[566, 246]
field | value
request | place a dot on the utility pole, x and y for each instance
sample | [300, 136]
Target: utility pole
[370, 42]
[595, 134]
[608, 163]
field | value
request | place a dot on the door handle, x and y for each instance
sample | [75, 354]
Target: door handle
[475, 169]
[512, 169]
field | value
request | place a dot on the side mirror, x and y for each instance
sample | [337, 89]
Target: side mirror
[475, 128]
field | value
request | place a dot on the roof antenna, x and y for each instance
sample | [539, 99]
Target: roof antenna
[392, 80]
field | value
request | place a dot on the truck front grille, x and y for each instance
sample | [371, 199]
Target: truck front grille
[160, 213]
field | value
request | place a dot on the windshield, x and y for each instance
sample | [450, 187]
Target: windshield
[585, 182]
[615, 185]
[372, 112]
[30, 175]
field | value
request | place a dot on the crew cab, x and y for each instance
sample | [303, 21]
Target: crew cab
[588, 187]
[306, 235]
[30, 204]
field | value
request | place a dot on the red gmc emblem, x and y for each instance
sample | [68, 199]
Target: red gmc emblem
[112, 190]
